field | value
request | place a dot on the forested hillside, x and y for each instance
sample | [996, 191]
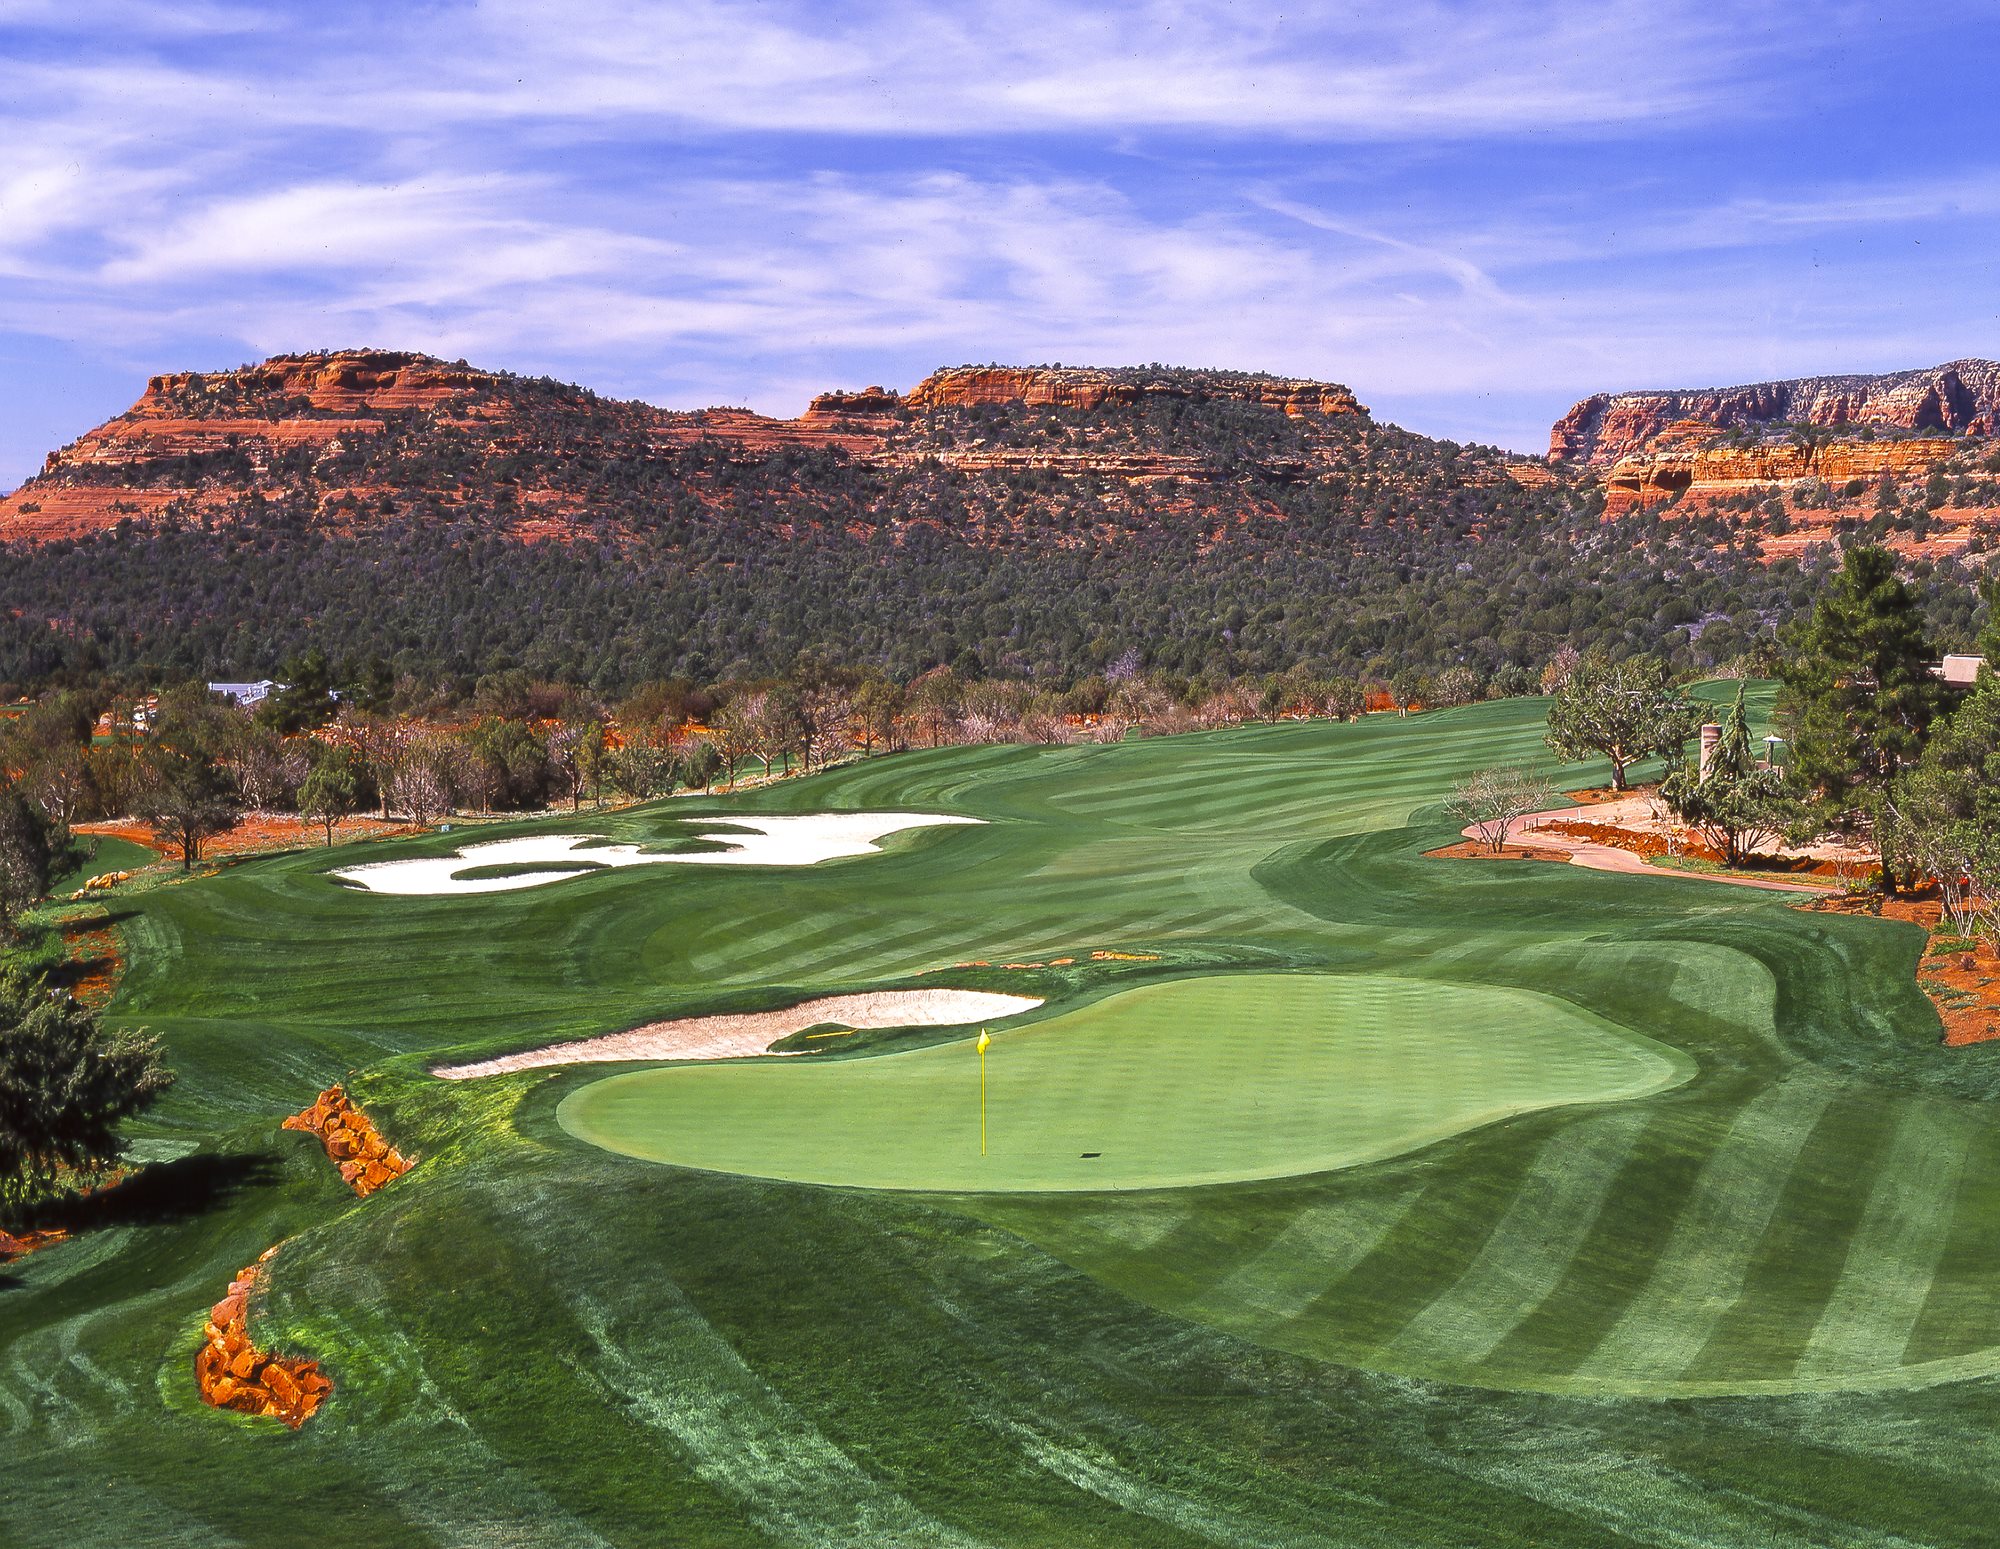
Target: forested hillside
[1040, 522]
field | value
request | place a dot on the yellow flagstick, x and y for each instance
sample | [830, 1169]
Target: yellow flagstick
[984, 1040]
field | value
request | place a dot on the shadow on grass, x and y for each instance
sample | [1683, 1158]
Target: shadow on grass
[158, 1194]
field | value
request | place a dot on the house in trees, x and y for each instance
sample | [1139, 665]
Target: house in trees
[246, 696]
[1961, 671]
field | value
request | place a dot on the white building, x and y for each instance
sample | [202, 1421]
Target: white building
[246, 696]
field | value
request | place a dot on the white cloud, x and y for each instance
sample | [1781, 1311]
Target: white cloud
[1422, 70]
[705, 201]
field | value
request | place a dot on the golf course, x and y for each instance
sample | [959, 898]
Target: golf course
[1333, 1193]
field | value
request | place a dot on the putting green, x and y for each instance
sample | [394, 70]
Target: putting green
[1209, 1080]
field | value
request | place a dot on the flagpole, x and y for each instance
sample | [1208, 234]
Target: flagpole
[983, 1041]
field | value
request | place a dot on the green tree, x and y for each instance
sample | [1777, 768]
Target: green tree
[334, 788]
[184, 790]
[1859, 696]
[1408, 688]
[65, 1086]
[515, 762]
[305, 698]
[877, 704]
[1625, 711]
[1989, 637]
[642, 769]
[1941, 818]
[576, 755]
[31, 850]
[1734, 805]
[700, 765]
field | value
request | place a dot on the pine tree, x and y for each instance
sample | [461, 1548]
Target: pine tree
[1733, 804]
[64, 1088]
[1860, 695]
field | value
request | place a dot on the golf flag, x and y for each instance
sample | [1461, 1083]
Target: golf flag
[984, 1040]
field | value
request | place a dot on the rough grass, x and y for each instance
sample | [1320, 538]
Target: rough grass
[537, 1342]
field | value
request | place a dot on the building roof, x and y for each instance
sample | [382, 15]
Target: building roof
[245, 693]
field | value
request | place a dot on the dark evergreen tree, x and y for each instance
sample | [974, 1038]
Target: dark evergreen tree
[65, 1086]
[1859, 690]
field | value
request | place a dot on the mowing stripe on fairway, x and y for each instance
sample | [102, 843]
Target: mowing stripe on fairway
[1892, 1259]
[1317, 1248]
[1205, 1080]
[1958, 1310]
[681, 1378]
[1699, 1273]
[1530, 1250]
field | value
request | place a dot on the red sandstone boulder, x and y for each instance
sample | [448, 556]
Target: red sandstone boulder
[363, 1158]
[232, 1373]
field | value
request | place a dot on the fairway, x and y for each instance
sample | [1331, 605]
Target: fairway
[1195, 1081]
[1439, 1202]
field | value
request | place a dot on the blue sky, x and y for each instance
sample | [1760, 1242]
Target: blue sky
[1471, 214]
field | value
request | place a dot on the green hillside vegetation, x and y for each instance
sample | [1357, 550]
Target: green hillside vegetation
[1358, 547]
[1614, 1321]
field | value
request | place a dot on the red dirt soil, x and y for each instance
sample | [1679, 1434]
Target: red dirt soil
[1475, 850]
[1655, 847]
[256, 833]
[19, 1246]
[366, 1161]
[1963, 983]
[232, 1373]
[98, 964]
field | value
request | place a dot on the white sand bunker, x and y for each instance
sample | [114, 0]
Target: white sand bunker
[802, 840]
[749, 1033]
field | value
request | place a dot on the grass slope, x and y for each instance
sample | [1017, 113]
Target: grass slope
[1475, 1343]
[1216, 1079]
[106, 854]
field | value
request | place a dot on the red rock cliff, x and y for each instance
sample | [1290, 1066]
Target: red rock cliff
[1960, 397]
[1083, 387]
[351, 436]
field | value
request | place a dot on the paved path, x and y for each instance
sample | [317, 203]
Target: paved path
[1604, 857]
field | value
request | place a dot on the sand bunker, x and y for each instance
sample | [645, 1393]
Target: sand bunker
[802, 840]
[744, 1034]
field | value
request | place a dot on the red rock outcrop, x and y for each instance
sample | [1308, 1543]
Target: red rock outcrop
[1084, 387]
[232, 1373]
[1958, 398]
[366, 1161]
[342, 382]
[1715, 470]
[869, 402]
[350, 436]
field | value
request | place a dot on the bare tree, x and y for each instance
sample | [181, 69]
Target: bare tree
[825, 717]
[61, 783]
[576, 754]
[1492, 801]
[987, 714]
[421, 784]
[736, 732]
[934, 701]
[1043, 721]
[877, 706]
[268, 769]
